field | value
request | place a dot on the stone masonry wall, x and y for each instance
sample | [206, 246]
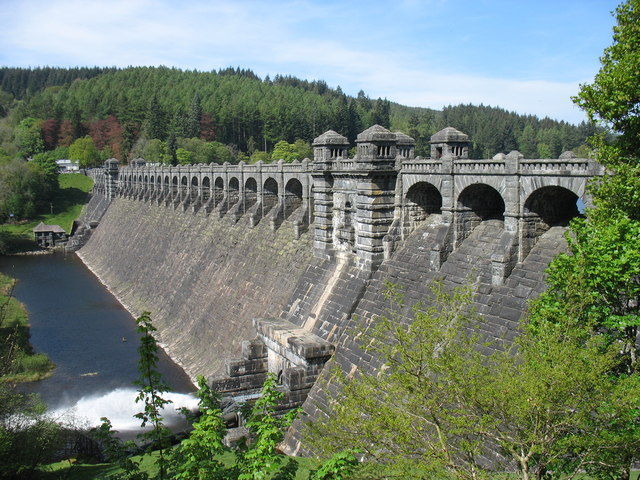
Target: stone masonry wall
[500, 306]
[203, 279]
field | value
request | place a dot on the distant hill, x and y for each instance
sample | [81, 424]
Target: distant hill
[119, 108]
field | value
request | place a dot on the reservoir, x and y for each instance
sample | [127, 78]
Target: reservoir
[90, 337]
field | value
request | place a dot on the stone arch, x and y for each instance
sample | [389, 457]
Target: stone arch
[218, 190]
[422, 199]
[233, 191]
[193, 190]
[184, 187]
[269, 194]
[477, 203]
[174, 185]
[206, 189]
[546, 207]
[292, 196]
[250, 192]
[552, 205]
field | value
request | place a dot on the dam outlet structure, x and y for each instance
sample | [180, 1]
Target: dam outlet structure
[252, 269]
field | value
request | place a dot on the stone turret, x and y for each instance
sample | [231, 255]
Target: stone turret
[375, 192]
[111, 170]
[138, 162]
[449, 143]
[376, 145]
[327, 148]
[405, 146]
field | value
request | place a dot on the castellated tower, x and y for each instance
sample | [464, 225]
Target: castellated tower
[450, 143]
[375, 185]
[354, 198]
[328, 148]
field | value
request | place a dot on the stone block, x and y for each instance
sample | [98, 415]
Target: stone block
[244, 384]
[252, 349]
[236, 368]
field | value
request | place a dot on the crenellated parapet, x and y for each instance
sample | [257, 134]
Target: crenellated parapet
[360, 208]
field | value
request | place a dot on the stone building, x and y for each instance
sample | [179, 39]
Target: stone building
[49, 235]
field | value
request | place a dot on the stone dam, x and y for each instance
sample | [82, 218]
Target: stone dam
[249, 269]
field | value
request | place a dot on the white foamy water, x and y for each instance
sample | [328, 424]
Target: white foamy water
[119, 406]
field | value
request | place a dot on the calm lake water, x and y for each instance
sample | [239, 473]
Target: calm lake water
[87, 333]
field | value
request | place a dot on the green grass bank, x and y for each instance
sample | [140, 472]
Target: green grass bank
[18, 361]
[63, 209]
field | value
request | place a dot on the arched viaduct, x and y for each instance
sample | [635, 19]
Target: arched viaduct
[364, 206]
[359, 212]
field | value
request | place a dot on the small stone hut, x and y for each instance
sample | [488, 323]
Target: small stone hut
[49, 235]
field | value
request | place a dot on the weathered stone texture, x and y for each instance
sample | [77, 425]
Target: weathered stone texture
[203, 279]
[309, 247]
[500, 306]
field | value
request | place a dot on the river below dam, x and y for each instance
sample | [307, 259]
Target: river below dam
[92, 340]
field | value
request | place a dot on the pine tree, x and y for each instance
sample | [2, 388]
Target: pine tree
[193, 120]
[155, 123]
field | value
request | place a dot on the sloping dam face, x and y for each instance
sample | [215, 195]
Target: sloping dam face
[204, 280]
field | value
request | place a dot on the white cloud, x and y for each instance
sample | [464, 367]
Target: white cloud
[302, 38]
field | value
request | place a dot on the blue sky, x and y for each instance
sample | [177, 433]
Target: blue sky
[527, 56]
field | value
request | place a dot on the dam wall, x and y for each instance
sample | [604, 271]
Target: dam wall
[500, 306]
[202, 279]
[256, 269]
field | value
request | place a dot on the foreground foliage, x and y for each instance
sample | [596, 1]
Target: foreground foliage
[444, 402]
[200, 455]
[27, 436]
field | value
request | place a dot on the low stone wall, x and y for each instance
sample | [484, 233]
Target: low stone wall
[203, 279]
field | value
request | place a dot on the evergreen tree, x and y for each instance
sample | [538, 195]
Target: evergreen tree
[194, 118]
[380, 114]
[353, 122]
[155, 123]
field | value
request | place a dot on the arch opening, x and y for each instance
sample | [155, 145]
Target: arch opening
[234, 191]
[545, 208]
[194, 191]
[477, 203]
[175, 188]
[422, 200]
[292, 197]
[553, 206]
[269, 195]
[250, 193]
[218, 190]
[206, 189]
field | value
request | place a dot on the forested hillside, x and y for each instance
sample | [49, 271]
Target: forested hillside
[169, 115]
